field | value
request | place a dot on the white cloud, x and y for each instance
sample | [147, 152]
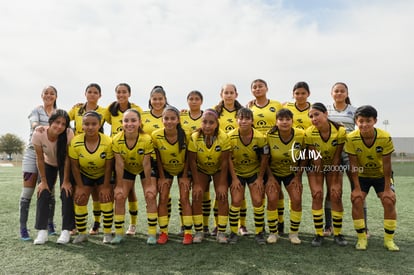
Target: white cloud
[186, 45]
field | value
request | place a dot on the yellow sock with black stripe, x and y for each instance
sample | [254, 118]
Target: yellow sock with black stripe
[180, 212]
[295, 219]
[359, 226]
[272, 220]
[389, 229]
[258, 213]
[119, 221]
[152, 223]
[243, 213]
[198, 222]
[215, 210]
[108, 216]
[281, 210]
[222, 223]
[234, 213]
[81, 217]
[163, 223]
[96, 208]
[188, 224]
[318, 221]
[169, 205]
[133, 211]
[206, 208]
[337, 222]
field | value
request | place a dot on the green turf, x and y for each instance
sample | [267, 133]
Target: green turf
[246, 257]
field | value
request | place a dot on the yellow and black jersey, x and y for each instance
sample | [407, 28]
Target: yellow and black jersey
[246, 157]
[325, 149]
[116, 121]
[264, 118]
[133, 157]
[188, 123]
[369, 157]
[92, 164]
[227, 120]
[284, 156]
[150, 123]
[77, 117]
[172, 158]
[301, 118]
[209, 159]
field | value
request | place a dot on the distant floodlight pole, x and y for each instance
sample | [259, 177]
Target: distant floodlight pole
[386, 123]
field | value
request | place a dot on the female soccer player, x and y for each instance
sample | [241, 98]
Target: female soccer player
[113, 116]
[170, 144]
[92, 162]
[51, 146]
[325, 140]
[369, 151]
[208, 157]
[92, 94]
[39, 116]
[247, 166]
[285, 166]
[300, 108]
[132, 149]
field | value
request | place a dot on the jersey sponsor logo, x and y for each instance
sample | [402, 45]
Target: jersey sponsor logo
[229, 128]
[261, 123]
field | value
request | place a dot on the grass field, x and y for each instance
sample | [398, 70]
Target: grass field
[246, 257]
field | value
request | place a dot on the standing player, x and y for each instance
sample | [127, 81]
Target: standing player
[325, 140]
[208, 157]
[300, 108]
[369, 151]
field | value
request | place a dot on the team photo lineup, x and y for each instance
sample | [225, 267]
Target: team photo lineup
[264, 146]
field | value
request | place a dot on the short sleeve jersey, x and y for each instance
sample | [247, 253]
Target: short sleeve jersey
[369, 158]
[77, 117]
[285, 155]
[116, 121]
[39, 116]
[92, 164]
[172, 158]
[301, 118]
[209, 159]
[345, 117]
[189, 124]
[150, 123]
[246, 157]
[49, 147]
[326, 148]
[133, 157]
[264, 118]
[227, 120]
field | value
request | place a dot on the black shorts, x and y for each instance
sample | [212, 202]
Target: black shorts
[154, 169]
[377, 183]
[129, 176]
[247, 180]
[92, 182]
[285, 180]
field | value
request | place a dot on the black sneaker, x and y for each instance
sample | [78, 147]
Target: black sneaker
[340, 240]
[260, 238]
[281, 228]
[233, 238]
[317, 241]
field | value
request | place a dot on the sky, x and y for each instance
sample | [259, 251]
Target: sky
[201, 45]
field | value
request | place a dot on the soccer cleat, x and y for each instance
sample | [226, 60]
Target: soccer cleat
[340, 240]
[181, 232]
[361, 244]
[391, 246]
[51, 229]
[243, 231]
[327, 231]
[117, 239]
[206, 231]
[294, 238]
[24, 235]
[260, 238]
[80, 238]
[151, 239]
[64, 237]
[221, 237]
[131, 230]
[281, 228]
[188, 238]
[214, 231]
[272, 238]
[317, 241]
[198, 237]
[107, 238]
[233, 238]
[162, 238]
[41, 237]
[95, 229]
